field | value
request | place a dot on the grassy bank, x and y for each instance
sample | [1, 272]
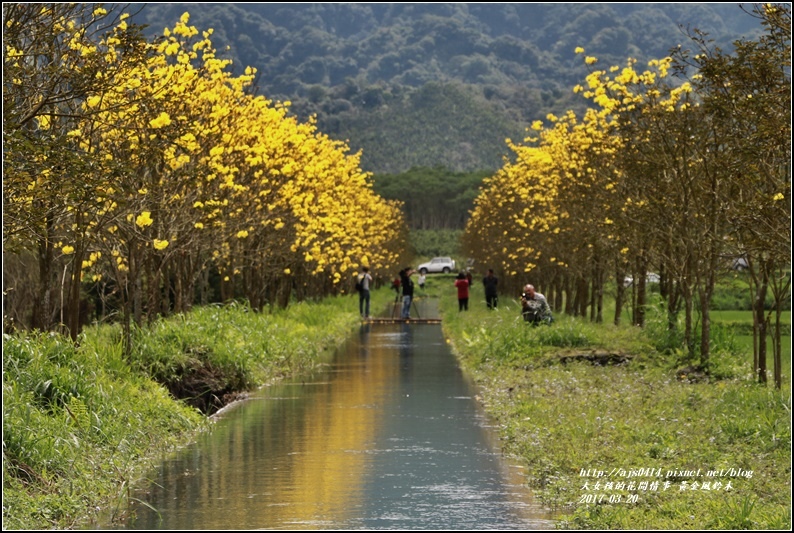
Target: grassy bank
[81, 423]
[633, 442]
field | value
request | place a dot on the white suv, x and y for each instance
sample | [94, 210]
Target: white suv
[437, 264]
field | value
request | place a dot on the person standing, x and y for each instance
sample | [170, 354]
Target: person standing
[462, 285]
[363, 295]
[408, 291]
[491, 295]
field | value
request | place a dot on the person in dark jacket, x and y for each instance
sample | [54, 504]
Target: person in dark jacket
[363, 296]
[408, 291]
[491, 295]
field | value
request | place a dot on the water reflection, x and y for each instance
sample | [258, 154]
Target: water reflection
[387, 437]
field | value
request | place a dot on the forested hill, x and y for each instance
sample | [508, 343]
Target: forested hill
[437, 84]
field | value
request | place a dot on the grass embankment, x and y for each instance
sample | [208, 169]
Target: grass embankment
[80, 423]
[631, 445]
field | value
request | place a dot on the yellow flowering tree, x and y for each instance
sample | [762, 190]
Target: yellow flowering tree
[647, 179]
[53, 62]
[185, 173]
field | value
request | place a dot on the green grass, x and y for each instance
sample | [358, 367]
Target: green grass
[741, 322]
[77, 423]
[83, 422]
[744, 316]
[563, 419]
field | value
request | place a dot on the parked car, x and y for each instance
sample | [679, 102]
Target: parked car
[651, 277]
[436, 265]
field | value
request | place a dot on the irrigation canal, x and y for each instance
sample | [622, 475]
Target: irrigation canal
[387, 436]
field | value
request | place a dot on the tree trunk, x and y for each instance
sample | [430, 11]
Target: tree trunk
[640, 284]
[759, 319]
[180, 282]
[688, 313]
[780, 289]
[569, 301]
[42, 306]
[136, 284]
[705, 328]
[619, 295]
[597, 298]
[73, 298]
[285, 291]
[558, 293]
[582, 296]
[776, 348]
[673, 305]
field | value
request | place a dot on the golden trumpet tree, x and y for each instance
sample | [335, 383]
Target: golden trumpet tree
[190, 174]
[56, 57]
[581, 218]
[649, 178]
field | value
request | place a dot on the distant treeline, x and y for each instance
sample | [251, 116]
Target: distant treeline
[434, 198]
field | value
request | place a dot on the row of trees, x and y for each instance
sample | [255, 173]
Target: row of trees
[660, 175]
[140, 169]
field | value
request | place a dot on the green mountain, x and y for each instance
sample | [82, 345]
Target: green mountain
[438, 84]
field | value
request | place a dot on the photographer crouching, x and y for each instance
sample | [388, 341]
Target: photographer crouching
[534, 307]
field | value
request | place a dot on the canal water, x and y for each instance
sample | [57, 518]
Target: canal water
[389, 435]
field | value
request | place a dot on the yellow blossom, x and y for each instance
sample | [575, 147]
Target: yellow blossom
[67, 250]
[162, 120]
[144, 219]
[160, 245]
